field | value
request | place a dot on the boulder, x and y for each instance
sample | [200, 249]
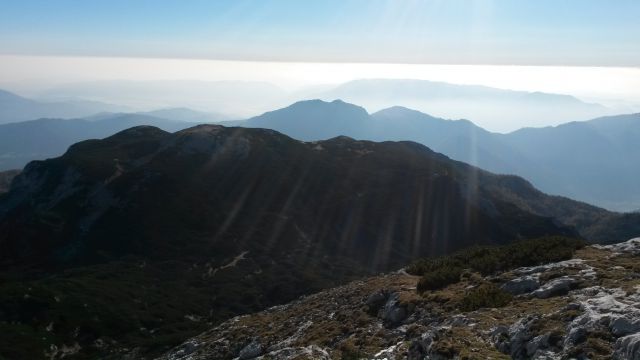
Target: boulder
[577, 335]
[187, 348]
[627, 348]
[521, 285]
[393, 312]
[376, 301]
[517, 339]
[536, 344]
[624, 325]
[252, 350]
[500, 339]
[417, 351]
[555, 287]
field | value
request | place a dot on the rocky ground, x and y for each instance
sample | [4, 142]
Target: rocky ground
[584, 308]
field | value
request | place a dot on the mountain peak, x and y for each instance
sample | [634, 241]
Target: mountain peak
[4, 94]
[140, 131]
[202, 128]
[311, 120]
[400, 111]
[321, 104]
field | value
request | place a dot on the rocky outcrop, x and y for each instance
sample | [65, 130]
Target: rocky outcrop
[521, 285]
[251, 350]
[521, 342]
[631, 247]
[628, 347]
[393, 312]
[587, 307]
[555, 287]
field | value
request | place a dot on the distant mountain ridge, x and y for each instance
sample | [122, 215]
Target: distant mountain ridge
[15, 108]
[187, 115]
[592, 161]
[501, 109]
[577, 160]
[40, 139]
[236, 99]
[493, 108]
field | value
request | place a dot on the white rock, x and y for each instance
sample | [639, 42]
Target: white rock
[610, 309]
[521, 285]
[555, 287]
[572, 263]
[252, 350]
[627, 348]
[630, 246]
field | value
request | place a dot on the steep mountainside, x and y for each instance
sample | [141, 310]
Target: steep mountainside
[145, 238]
[5, 179]
[15, 108]
[584, 308]
[592, 161]
[352, 196]
[459, 139]
[44, 138]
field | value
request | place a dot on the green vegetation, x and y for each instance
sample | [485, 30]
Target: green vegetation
[485, 296]
[439, 278]
[133, 303]
[124, 302]
[439, 272]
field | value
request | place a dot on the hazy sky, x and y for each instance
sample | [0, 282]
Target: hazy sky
[587, 48]
[534, 32]
[28, 74]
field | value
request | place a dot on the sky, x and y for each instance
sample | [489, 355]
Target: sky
[540, 32]
[586, 48]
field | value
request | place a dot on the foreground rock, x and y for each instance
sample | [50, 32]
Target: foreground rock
[584, 308]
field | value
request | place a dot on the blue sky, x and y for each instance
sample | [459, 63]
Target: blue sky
[536, 32]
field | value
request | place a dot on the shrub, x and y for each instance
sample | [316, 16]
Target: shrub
[439, 278]
[485, 296]
[350, 351]
[442, 271]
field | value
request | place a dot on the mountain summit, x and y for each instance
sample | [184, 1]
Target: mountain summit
[314, 119]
